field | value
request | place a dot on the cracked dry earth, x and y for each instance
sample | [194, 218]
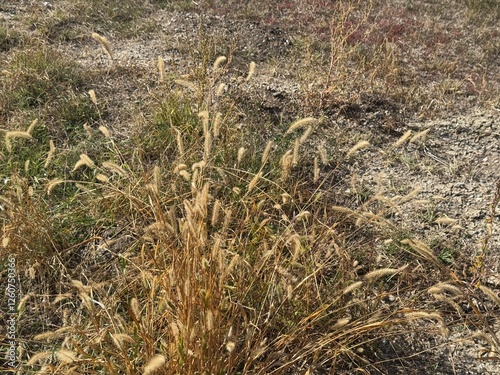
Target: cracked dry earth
[456, 166]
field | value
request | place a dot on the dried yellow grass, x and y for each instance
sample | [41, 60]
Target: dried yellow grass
[301, 123]
[104, 43]
[358, 146]
[102, 178]
[204, 116]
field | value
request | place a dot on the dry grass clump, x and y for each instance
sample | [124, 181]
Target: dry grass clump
[200, 254]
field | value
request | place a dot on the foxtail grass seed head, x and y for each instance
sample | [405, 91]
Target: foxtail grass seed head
[377, 274]
[93, 97]
[445, 220]
[104, 130]
[230, 346]
[301, 123]
[267, 151]
[204, 116]
[207, 147]
[185, 174]
[216, 212]
[492, 295]
[322, 154]
[27, 165]
[251, 71]
[32, 126]
[216, 124]
[115, 168]
[296, 148]
[161, 68]
[306, 134]
[341, 322]
[353, 286]
[134, 307]
[14, 134]
[53, 183]
[286, 163]
[419, 135]
[241, 153]
[316, 170]
[443, 288]
[65, 356]
[220, 89]
[154, 363]
[189, 85]
[219, 61]
[199, 165]
[403, 139]
[254, 181]
[84, 160]
[50, 154]
[180, 143]
[358, 146]
[39, 357]
[180, 167]
[87, 129]
[105, 45]
[102, 178]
